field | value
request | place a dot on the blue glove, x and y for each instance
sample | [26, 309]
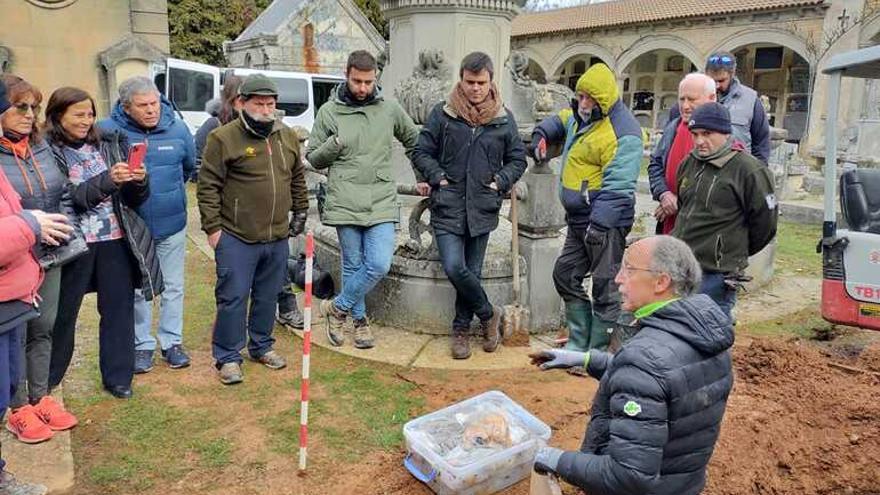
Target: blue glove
[551, 359]
[547, 460]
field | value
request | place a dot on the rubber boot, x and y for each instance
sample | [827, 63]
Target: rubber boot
[600, 333]
[578, 316]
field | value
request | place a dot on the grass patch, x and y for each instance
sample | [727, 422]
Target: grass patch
[796, 250]
[805, 323]
[215, 453]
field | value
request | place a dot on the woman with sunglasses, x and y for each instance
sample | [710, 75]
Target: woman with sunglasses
[121, 253]
[27, 162]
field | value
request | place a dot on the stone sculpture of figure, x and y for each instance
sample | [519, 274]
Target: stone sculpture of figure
[428, 85]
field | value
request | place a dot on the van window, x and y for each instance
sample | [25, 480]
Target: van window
[293, 95]
[322, 92]
[190, 90]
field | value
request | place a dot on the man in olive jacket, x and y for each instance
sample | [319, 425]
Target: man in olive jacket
[251, 179]
[471, 154]
[727, 205]
[352, 138]
[661, 398]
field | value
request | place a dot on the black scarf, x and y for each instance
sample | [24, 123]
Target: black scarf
[345, 96]
[257, 128]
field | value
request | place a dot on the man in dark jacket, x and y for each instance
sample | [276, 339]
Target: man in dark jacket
[747, 115]
[471, 154]
[251, 179]
[602, 153]
[727, 205]
[661, 398]
[145, 116]
[674, 147]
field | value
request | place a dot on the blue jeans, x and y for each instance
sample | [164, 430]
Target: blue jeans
[245, 272]
[713, 286]
[462, 257]
[171, 252]
[366, 259]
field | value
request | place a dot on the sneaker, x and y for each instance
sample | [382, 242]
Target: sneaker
[492, 330]
[176, 357]
[54, 415]
[11, 486]
[363, 335]
[143, 362]
[335, 322]
[271, 360]
[460, 343]
[27, 426]
[292, 318]
[230, 373]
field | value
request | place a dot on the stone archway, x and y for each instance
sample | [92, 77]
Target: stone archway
[659, 42]
[536, 59]
[582, 49]
[764, 36]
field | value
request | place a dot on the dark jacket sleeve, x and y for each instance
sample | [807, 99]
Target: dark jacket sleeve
[212, 177]
[657, 164]
[426, 158]
[189, 158]
[552, 129]
[763, 212]
[514, 157]
[202, 137]
[630, 464]
[760, 131]
[134, 193]
[90, 193]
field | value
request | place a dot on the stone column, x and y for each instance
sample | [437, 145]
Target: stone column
[455, 27]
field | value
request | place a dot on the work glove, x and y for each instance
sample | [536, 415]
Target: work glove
[298, 223]
[547, 460]
[539, 150]
[595, 235]
[551, 359]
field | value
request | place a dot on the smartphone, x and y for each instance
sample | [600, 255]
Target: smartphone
[136, 156]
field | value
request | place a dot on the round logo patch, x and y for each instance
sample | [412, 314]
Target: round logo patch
[632, 408]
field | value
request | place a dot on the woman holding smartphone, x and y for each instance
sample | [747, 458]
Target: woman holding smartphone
[121, 254]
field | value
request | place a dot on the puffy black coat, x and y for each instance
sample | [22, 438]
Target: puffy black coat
[114, 149]
[469, 158]
[658, 411]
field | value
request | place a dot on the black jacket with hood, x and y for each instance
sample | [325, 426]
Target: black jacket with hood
[658, 411]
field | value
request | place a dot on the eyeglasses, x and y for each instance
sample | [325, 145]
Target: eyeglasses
[23, 108]
[626, 270]
[722, 60]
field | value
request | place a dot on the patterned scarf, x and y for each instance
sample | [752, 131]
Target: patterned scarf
[479, 114]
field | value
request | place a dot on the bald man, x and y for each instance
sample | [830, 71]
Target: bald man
[694, 90]
[661, 398]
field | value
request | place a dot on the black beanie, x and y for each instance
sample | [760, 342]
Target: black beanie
[711, 116]
[4, 101]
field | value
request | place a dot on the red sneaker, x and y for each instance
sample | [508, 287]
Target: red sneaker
[27, 426]
[54, 415]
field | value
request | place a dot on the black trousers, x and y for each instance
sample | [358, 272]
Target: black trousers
[108, 269]
[462, 258]
[602, 263]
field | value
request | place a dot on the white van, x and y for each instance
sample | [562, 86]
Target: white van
[190, 85]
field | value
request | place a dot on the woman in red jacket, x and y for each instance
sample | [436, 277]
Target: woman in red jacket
[20, 278]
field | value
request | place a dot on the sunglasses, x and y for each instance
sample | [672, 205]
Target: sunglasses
[723, 60]
[23, 108]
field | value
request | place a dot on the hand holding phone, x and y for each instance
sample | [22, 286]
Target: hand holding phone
[136, 156]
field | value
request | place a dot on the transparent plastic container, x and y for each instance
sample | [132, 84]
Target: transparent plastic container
[461, 449]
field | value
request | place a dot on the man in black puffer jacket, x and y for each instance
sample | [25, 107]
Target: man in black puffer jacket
[661, 398]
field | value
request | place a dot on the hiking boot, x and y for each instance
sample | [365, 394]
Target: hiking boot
[363, 334]
[11, 486]
[230, 373]
[27, 426]
[492, 330]
[335, 321]
[271, 360]
[176, 357]
[143, 362]
[54, 415]
[460, 343]
[293, 318]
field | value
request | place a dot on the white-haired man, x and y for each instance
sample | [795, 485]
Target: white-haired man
[675, 145]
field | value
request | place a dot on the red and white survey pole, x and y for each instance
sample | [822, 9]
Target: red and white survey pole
[306, 360]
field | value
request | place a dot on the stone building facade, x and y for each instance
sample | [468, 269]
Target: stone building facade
[313, 36]
[92, 44]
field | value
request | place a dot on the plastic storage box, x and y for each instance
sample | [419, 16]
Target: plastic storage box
[444, 452]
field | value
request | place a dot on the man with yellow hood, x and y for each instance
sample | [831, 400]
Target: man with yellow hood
[601, 154]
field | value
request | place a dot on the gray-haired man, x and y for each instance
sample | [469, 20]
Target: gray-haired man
[663, 394]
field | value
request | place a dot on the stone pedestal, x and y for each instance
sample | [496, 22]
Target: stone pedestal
[454, 27]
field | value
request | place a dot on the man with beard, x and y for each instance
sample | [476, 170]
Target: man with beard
[251, 178]
[352, 139]
[472, 155]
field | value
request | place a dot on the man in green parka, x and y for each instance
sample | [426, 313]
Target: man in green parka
[351, 138]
